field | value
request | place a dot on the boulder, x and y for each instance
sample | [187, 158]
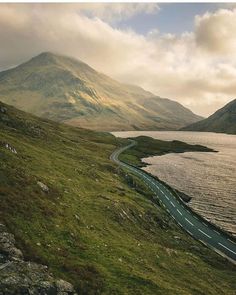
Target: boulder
[18, 277]
[64, 287]
[43, 186]
[3, 110]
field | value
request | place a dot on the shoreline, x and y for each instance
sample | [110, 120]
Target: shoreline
[149, 179]
[186, 199]
[137, 160]
[150, 147]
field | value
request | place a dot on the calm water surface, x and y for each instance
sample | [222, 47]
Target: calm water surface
[209, 178]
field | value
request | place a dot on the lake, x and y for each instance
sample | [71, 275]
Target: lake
[209, 178]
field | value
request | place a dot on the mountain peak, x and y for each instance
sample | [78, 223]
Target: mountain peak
[48, 58]
[66, 89]
[44, 58]
[47, 54]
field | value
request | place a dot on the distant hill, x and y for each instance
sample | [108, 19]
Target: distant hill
[67, 90]
[223, 121]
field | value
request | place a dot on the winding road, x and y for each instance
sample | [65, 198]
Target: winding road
[188, 220]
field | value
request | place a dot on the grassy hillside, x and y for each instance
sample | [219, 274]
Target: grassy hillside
[67, 90]
[73, 210]
[222, 121]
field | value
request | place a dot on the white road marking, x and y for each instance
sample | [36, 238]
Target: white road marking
[204, 233]
[179, 212]
[189, 232]
[150, 180]
[203, 242]
[231, 241]
[227, 248]
[216, 232]
[172, 204]
[189, 221]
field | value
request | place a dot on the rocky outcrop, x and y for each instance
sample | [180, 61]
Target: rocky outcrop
[19, 277]
[8, 147]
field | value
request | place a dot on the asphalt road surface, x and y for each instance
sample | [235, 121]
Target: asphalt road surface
[190, 221]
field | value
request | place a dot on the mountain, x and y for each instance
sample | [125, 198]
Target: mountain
[73, 210]
[67, 90]
[223, 121]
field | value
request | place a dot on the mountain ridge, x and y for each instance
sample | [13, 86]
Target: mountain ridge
[222, 121]
[68, 90]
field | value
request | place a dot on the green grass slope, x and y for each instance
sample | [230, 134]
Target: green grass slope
[222, 121]
[95, 226]
[67, 90]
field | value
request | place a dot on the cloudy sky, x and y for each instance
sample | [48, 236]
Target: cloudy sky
[185, 52]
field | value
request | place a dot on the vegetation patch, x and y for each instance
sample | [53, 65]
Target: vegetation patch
[90, 222]
[147, 146]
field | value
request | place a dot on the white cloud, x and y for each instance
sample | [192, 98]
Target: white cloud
[118, 11]
[216, 32]
[191, 68]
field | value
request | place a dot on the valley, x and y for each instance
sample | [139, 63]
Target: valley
[91, 223]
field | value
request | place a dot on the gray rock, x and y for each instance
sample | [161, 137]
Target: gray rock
[63, 286]
[5, 237]
[15, 253]
[10, 148]
[46, 288]
[7, 245]
[18, 277]
[77, 217]
[3, 110]
[43, 186]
